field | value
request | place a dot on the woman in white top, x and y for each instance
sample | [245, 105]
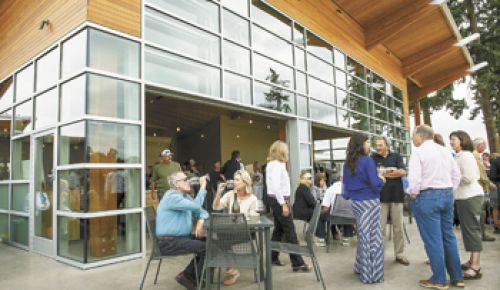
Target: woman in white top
[278, 191]
[247, 203]
[469, 197]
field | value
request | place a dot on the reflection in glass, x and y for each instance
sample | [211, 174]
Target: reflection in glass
[359, 122]
[355, 68]
[6, 92]
[274, 98]
[339, 154]
[340, 79]
[272, 46]
[4, 196]
[322, 145]
[236, 58]
[305, 156]
[319, 68]
[238, 6]
[378, 82]
[167, 69]
[304, 131]
[114, 54]
[301, 83]
[181, 37]
[43, 186]
[398, 107]
[236, 28]
[72, 143]
[72, 101]
[380, 112]
[300, 58]
[356, 85]
[4, 227]
[113, 143]
[74, 54]
[379, 97]
[110, 97]
[20, 197]
[302, 106]
[321, 91]
[5, 125]
[343, 117]
[23, 118]
[319, 47]
[341, 98]
[323, 113]
[47, 70]
[299, 36]
[339, 59]
[398, 120]
[271, 71]
[19, 230]
[99, 189]
[25, 83]
[46, 109]
[267, 17]
[70, 238]
[397, 93]
[358, 104]
[203, 13]
[237, 88]
[21, 159]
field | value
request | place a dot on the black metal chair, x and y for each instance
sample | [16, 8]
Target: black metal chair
[230, 245]
[155, 248]
[308, 249]
[337, 221]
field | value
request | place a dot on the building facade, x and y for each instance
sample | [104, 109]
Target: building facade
[75, 113]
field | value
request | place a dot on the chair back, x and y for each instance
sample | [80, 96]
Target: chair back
[313, 224]
[151, 225]
[228, 235]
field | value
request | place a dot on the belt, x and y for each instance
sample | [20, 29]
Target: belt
[166, 238]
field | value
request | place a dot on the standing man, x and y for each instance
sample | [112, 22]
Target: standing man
[161, 172]
[392, 196]
[232, 165]
[433, 175]
[479, 147]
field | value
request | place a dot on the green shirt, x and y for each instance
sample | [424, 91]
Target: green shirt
[161, 172]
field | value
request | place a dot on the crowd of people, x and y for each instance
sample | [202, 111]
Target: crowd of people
[372, 189]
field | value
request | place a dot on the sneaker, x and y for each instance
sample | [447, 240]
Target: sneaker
[346, 242]
[303, 268]
[433, 285]
[487, 238]
[320, 242]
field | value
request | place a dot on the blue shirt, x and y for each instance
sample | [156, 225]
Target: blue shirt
[175, 213]
[364, 184]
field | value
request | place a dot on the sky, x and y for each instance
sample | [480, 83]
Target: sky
[444, 123]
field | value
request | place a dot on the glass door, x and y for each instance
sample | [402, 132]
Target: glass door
[43, 193]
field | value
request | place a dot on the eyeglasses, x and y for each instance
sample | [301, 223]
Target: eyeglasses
[182, 179]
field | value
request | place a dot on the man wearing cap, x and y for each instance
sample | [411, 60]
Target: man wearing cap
[161, 172]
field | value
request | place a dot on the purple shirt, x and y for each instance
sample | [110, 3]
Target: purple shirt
[432, 166]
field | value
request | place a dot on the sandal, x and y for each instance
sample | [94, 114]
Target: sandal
[466, 265]
[233, 279]
[278, 263]
[477, 275]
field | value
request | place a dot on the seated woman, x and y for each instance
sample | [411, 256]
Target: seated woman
[247, 204]
[319, 187]
[303, 206]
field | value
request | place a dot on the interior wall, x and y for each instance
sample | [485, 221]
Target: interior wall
[252, 140]
[154, 146]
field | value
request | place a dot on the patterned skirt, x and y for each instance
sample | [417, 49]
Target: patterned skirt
[370, 253]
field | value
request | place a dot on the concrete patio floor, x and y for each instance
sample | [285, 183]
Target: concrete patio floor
[20, 270]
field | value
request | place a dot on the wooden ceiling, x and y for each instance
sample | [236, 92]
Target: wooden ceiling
[420, 33]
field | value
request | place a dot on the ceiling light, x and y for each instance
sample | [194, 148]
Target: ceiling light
[154, 134]
[202, 136]
[268, 127]
[237, 136]
[178, 129]
[250, 122]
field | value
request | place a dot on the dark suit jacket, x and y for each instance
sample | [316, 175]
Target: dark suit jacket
[303, 206]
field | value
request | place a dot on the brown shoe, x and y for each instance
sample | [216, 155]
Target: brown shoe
[433, 285]
[403, 261]
[458, 283]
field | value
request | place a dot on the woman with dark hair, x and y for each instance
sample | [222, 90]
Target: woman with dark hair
[319, 187]
[363, 185]
[469, 197]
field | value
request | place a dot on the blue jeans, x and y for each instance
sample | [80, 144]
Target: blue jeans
[433, 211]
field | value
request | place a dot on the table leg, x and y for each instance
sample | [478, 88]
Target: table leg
[208, 278]
[260, 234]
[269, 273]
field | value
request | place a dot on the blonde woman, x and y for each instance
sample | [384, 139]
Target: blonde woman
[278, 191]
[248, 206]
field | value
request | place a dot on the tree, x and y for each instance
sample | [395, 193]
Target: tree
[442, 99]
[276, 98]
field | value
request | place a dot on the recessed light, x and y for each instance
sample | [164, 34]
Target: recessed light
[250, 122]
[237, 136]
[154, 134]
[202, 135]
[178, 129]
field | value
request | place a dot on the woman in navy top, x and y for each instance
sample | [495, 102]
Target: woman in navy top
[362, 185]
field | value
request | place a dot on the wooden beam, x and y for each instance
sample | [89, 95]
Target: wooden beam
[416, 113]
[422, 59]
[396, 22]
[418, 93]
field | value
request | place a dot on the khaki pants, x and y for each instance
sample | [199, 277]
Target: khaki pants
[396, 212]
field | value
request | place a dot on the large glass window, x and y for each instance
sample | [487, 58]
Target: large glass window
[274, 98]
[299, 35]
[72, 104]
[321, 91]
[5, 123]
[23, 115]
[358, 104]
[238, 6]
[110, 97]
[319, 47]
[267, 17]
[379, 97]
[236, 28]
[339, 59]
[6, 92]
[343, 118]
[319, 68]
[21, 159]
[302, 107]
[25, 83]
[114, 54]
[72, 144]
[47, 70]
[46, 109]
[74, 54]
[323, 113]
[356, 85]
[167, 69]
[271, 71]
[4, 196]
[359, 122]
[272, 45]
[378, 82]
[300, 58]
[237, 88]
[301, 82]
[340, 79]
[341, 98]
[202, 12]
[4, 227]
[70, 238]
[397, 93]
[355, 68]
[181, 37]
[19, 230]
[236, 58]
[20, 197]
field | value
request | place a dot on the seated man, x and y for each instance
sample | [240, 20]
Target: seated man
[174, 224]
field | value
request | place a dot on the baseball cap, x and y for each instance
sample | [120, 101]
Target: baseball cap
[166, 152]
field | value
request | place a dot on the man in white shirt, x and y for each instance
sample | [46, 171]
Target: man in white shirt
[433, 174]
